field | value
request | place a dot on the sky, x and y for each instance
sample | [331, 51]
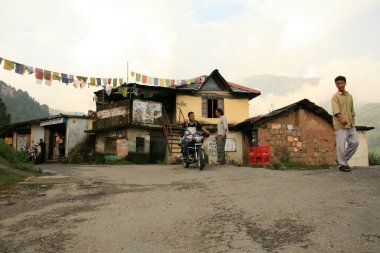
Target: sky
[297, 46]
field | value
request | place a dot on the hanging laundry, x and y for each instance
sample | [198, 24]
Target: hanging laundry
[9, 65]
[20, 69]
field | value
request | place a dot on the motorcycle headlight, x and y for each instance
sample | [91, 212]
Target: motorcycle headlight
[198, 138]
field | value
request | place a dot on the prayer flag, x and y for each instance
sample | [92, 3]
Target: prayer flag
[47, 74]
[29, 69]
[132, 74]
[109, 81]
[39, 74]
[167, 82]
[92, 81]
[162, 82]
[183, 82]
[114, 82]
[144, 79]
[85, 79]
[1, 59]
[104, 81]
[150, 80]
[188, 82]
[120, 81]
[20, 69]
[65, 79]
[39, 81]
[9, 65]
[77, 83]
[48, 82]
[172, 82]
[138, 77]
[71, 78]
[156, 81]
[98, 81]
[56, 76]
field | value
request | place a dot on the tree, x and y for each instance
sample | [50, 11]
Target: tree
[5, 118]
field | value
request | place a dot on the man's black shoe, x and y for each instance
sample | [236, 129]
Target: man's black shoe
[344, 168]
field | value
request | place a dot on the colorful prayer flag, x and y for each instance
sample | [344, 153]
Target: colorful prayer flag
[172, 82]
[98, 81]
[56, 76]
[167, 82]
[144, 79]
[39, 74]
[47, 74]
[92, 81]
[138, 77]
[109, 81]
[104, 81]
[9, 65]
[132, 74]
[120, 81]
[65, 79]
[156, 81]
[48, 82]
[150, 80]
[114, 82]
[71, 78]
[20, 69]
[29, 69]
[162, 82]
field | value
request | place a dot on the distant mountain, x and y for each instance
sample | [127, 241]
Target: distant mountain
[20, 105]
[56, 112]
[277, 84]
[369, 115]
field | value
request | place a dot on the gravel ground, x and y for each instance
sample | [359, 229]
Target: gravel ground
[154, 208]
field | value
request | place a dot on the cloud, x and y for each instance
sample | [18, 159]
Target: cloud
[175, 39]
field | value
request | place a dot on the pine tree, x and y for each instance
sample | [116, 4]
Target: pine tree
[5, 118]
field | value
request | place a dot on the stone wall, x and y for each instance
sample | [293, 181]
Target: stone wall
[301, 135]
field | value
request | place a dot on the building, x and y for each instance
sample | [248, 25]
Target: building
[143, 121]
[69, 127]
[301, 131]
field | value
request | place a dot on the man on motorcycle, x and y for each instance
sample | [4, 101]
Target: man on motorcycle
[189, 127]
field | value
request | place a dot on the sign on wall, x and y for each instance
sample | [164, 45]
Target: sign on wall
[52, 122]
[212, 148]
[118, 111]
[147, 112]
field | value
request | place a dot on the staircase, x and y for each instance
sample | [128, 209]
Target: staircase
[174, 138]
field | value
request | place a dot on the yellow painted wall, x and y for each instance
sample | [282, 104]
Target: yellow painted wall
[236, 110]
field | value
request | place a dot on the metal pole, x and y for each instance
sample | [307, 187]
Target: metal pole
[127, 72]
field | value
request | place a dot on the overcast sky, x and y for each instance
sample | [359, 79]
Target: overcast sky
[184, 39]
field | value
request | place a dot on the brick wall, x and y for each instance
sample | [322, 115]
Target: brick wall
[301, 135]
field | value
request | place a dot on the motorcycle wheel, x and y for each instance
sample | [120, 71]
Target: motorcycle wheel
[201, 162]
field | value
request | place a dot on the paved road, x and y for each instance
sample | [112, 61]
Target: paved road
[154, 208]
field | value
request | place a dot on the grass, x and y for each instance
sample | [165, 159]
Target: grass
[7, 178]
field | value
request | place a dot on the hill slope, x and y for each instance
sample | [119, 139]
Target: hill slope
[20, 105]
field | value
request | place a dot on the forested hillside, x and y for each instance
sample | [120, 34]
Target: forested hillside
[369, 115]
[20, 105]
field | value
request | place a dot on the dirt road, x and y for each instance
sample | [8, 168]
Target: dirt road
[153, 208]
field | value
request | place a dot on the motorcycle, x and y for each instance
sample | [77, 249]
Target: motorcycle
[196, 153]
[32, 151]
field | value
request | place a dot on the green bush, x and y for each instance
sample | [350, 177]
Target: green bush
[373, 158]
[12, 157]
[83, 152]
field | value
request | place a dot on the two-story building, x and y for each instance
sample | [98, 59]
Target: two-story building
[142, 121]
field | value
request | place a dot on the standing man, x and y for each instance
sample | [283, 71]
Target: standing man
[344, 124]
[221, 136]
[43, 151]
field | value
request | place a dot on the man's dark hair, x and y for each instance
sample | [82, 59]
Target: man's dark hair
[340, 78]
[188, 115]
[220, 111]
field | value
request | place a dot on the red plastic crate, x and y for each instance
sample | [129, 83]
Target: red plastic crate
[258, 155]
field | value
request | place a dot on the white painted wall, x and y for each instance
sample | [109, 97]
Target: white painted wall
[74, 133]
[360, 158]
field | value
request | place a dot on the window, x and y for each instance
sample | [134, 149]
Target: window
[210, 103]
[140, 143]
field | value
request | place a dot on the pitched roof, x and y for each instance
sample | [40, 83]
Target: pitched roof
[304, 103]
